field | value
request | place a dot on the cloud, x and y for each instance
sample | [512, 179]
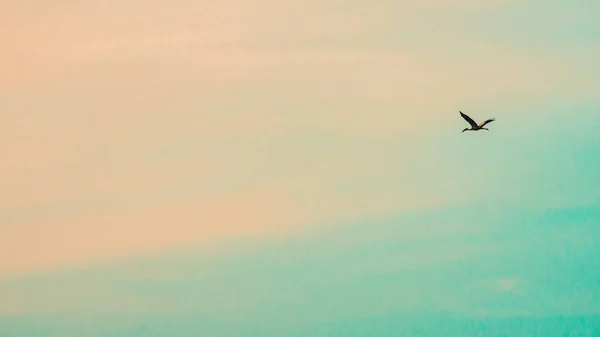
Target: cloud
[124, 116]
[441, 262]
[325, 264]
[506, 285]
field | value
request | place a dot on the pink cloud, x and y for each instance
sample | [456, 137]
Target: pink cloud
[113, 108]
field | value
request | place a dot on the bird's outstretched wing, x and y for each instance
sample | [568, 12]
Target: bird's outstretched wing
[488, 121]
[468, 119]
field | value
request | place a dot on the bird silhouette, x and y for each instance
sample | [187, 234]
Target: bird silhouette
[475, 126]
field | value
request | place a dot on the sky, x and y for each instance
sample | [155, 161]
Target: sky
[297, 168]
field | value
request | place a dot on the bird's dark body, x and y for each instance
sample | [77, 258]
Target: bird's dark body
[475, 126]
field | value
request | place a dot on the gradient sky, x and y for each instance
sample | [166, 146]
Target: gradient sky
[268, 168]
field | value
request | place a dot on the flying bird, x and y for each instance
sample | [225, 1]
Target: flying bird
[475, 126]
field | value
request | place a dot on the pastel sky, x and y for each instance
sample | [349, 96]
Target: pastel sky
[297, 168]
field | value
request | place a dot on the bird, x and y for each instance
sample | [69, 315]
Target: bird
[475, 126]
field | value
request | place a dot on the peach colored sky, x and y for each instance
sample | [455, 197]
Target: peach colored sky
[130, 126]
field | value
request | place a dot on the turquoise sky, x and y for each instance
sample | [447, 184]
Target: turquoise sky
[298, 169]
